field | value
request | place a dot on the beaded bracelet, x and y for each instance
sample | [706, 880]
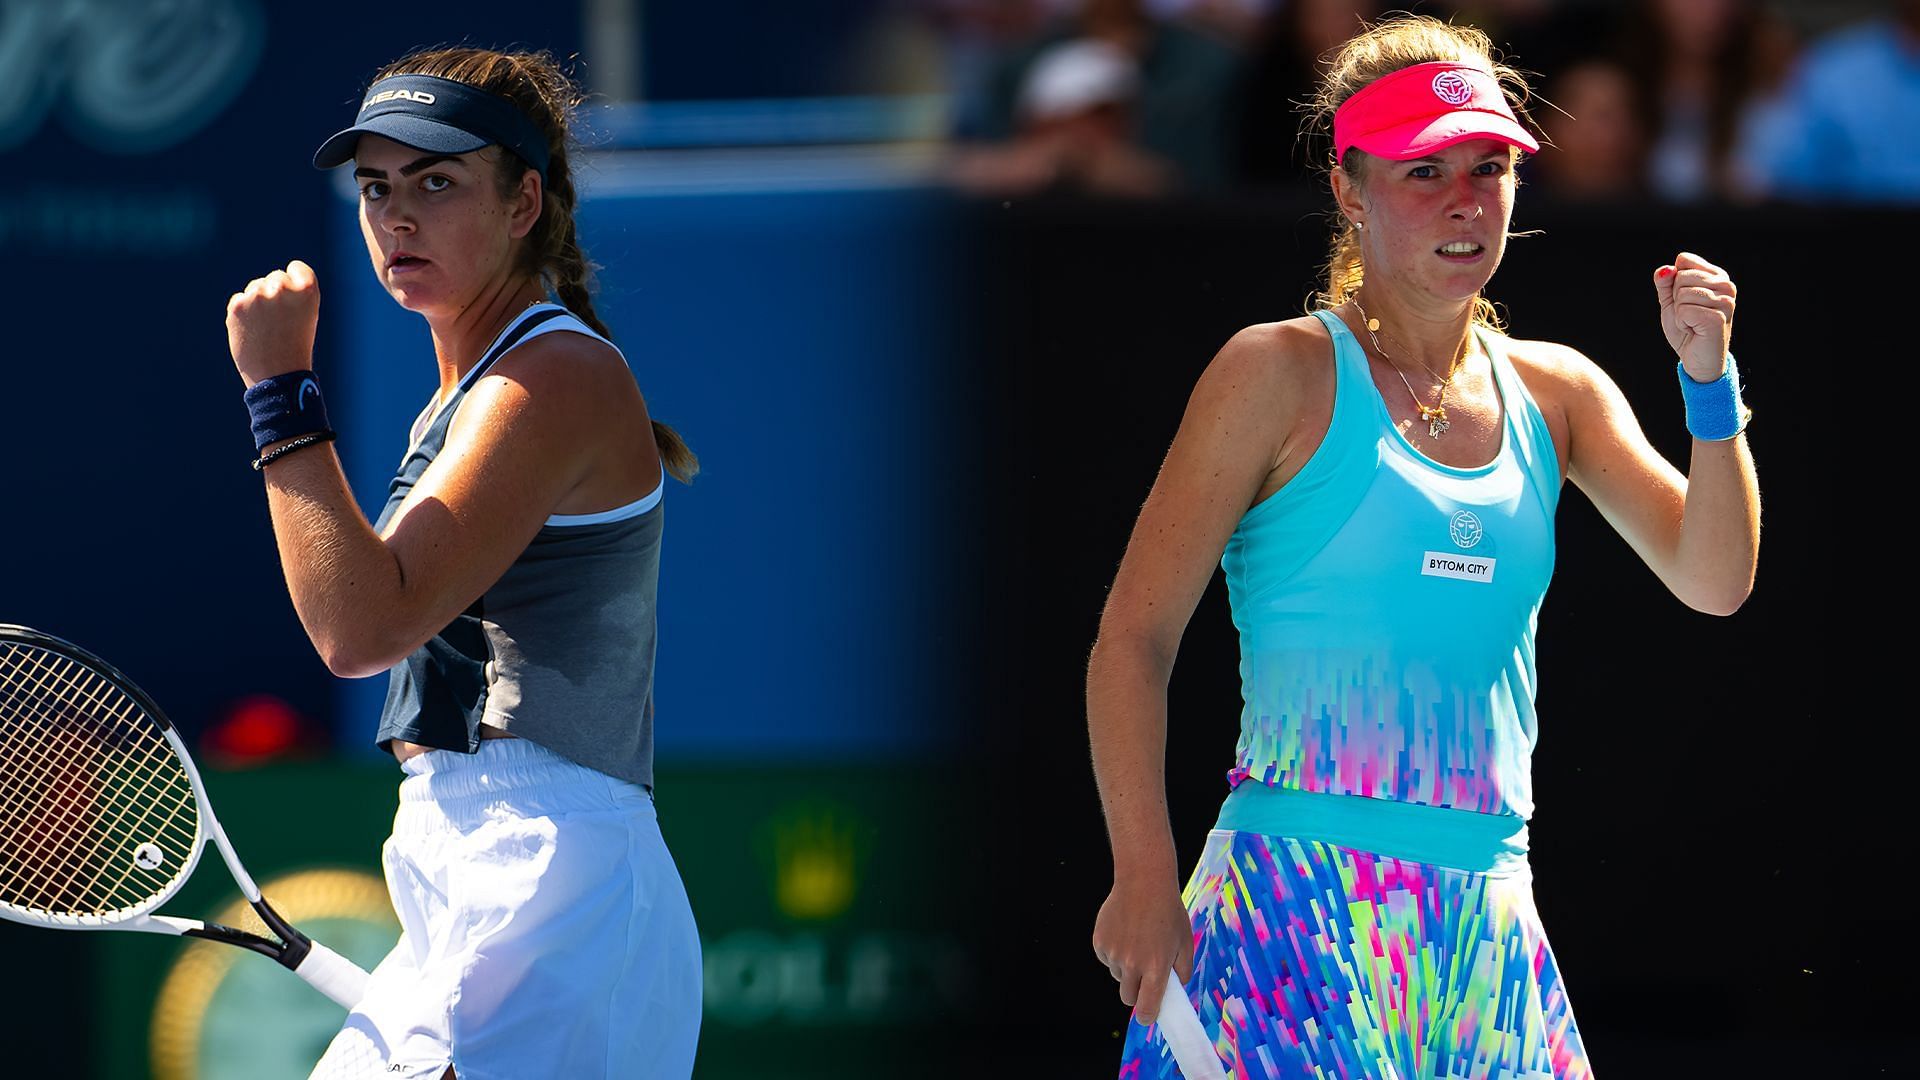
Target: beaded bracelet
[266, 459]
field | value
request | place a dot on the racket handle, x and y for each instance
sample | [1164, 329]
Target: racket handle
[1180, 1027]
[333, 975]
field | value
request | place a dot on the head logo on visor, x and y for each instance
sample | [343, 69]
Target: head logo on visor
[1417, 110]
[420, 97]
[440, 116]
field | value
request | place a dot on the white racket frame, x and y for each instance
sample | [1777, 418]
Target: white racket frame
[1184, 1034]
[327, 971]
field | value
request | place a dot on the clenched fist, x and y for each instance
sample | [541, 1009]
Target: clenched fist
[271, 323]
[1696, 313]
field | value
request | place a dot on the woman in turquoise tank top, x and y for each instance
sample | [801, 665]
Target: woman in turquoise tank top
[1378, 480]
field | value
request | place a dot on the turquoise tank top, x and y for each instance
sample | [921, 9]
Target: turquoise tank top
[1387, 605]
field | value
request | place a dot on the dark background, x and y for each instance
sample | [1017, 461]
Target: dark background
[1713, 840]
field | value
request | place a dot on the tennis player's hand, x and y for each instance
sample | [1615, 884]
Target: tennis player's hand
[1696, 313]
[271, 323]
[1143, 931]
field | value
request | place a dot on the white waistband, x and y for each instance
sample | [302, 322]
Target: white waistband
[446, 788]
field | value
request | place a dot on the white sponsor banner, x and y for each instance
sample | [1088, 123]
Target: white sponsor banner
[1452, 564]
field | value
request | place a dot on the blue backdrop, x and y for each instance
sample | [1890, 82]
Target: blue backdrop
[157, 160]
[781, 311]
[798, 340]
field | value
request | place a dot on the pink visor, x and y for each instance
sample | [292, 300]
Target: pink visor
[1423, 108]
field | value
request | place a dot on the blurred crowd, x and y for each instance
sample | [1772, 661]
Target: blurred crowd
[1677, 100]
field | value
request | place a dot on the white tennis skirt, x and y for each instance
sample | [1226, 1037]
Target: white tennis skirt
[544, 929]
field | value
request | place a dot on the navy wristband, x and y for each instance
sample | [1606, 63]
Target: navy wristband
[285, 406]
[1715, 412]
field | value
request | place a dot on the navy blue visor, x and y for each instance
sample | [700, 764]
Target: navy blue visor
[440, 116]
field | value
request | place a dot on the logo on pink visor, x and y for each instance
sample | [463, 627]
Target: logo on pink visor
[1427, 107]
[1452, 88]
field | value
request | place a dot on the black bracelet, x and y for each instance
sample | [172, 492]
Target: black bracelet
[266, 459]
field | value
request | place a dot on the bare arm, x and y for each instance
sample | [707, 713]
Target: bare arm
[1228, 443]
[515, 448]
[1700, 534]
[520, 442]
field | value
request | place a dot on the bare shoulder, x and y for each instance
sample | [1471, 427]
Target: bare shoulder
[1271, 359]
[1277, 344]
[566, 385]
[1549, 362]
[1265, 401]
[565, 364]
[1560, 377]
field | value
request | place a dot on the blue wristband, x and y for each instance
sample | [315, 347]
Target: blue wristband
[1715, 412]
[285, 406]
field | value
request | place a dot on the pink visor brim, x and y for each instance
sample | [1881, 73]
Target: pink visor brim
[1425, 107]
[1421, 137]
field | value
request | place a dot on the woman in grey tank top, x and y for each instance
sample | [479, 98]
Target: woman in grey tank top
[507, 588]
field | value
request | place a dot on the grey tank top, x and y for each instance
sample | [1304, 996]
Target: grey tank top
[560, 649]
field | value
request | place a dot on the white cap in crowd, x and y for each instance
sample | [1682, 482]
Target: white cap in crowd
[1074, 76]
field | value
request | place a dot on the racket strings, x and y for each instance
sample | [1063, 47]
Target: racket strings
[158, 816]
[78, 808]
[121, 811]
[151, 819]
[86, 876]
[97, 813]
[73, 765]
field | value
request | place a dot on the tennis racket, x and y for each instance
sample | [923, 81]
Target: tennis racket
[102, 815]
[1180, 1027]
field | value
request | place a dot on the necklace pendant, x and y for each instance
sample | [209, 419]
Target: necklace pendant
[1436, 418]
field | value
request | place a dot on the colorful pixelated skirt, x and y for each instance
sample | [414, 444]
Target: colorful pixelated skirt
[1315, 960]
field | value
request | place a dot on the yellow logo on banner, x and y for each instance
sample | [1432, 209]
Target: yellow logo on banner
[814, 862]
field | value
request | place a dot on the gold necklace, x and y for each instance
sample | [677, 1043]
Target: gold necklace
[1436, 414]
